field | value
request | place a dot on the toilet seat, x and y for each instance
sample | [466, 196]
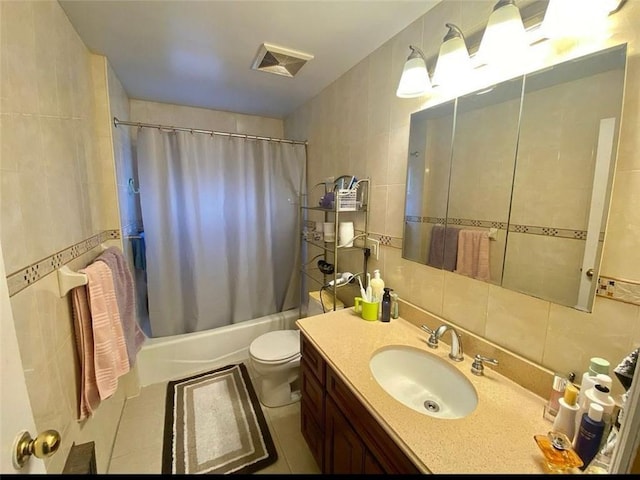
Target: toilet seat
[276, 347]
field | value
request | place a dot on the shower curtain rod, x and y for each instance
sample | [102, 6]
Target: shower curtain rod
[117, 122]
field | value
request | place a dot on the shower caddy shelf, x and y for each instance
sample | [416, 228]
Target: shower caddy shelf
[356, 200]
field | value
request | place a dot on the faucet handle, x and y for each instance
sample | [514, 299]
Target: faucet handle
[477, 368]
[432, 342]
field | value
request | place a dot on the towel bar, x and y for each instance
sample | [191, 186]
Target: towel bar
[68, 279]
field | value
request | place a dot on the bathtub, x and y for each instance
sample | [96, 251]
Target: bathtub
[170, 358]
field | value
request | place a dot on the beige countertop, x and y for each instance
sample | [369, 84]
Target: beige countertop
[497, 437]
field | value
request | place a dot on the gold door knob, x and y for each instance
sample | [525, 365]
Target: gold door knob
[44, 445]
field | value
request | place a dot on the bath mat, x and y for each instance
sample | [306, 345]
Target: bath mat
[214, 424]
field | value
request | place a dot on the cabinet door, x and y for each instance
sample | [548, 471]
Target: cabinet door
[344, 451]
[312, 392]
[312, 433]
[371, 465]
[313, 358]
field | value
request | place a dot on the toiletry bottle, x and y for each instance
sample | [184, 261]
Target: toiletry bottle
[600, 394]
[557, 391]
[565, 421]
[377, 286]
[597, 366]
[386, 305]
[588, 396]
[395, 310]
[589, 434]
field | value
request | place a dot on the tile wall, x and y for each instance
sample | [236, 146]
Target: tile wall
[358, 126]
[203, 118]
[58, 193]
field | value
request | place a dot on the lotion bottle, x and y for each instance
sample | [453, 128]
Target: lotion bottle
[565, 421]
[597, 365]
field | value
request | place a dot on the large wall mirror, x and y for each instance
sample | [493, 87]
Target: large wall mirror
[511, 184]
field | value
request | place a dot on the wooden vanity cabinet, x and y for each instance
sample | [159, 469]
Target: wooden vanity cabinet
[342, 434]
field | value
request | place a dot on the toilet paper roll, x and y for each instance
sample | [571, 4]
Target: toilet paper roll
[346, 233]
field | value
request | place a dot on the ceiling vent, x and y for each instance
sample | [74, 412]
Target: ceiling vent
[279, 60]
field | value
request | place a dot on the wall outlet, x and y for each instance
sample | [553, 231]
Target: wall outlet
[374, 245]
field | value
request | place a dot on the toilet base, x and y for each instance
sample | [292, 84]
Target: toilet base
[277, 392]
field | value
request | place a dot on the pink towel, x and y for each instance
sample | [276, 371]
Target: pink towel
[98, 325]
[89, 396]
[125, 295]
[473, 254]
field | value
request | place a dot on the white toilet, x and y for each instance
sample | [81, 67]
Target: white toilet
[275, 357]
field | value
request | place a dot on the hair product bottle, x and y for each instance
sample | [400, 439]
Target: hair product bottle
[589, 435]
[386, 305]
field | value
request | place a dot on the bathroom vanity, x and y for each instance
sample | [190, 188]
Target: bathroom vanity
[352, 425]
[357, 445]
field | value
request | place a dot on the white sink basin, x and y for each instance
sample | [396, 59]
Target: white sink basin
[424, 382]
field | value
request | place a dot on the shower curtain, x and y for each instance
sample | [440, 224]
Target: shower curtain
[221, 219]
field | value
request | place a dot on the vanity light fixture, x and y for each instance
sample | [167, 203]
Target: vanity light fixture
[505, 38]
[453, 65]
[578, 18]
[414, 81]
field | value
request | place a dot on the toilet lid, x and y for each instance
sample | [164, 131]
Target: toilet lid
[274, 346]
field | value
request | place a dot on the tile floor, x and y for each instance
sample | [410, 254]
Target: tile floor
[138, 444]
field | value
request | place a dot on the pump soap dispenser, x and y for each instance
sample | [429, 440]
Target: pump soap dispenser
[377, 286]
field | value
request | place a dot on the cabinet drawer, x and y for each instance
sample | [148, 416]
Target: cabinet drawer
[312, 433]
[312, 393]
[312, 358]
[383, 449]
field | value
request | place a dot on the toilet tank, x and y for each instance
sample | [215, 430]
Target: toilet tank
[315, 307]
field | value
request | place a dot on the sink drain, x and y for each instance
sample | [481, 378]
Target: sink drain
[431, 406]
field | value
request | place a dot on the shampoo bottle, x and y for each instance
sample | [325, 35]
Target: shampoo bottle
[589, 435]
[386, 306]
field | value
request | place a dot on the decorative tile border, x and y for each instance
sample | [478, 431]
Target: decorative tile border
[387, 241]
[549, 231]
[466, 222]
[529, 229]
[21, 279]
[627, 291]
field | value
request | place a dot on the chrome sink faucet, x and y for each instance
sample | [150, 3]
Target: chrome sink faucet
[456, 341]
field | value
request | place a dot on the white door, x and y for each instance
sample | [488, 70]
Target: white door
[15, 409]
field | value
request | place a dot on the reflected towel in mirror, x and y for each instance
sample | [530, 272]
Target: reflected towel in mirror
[473, 254]
[443, 248]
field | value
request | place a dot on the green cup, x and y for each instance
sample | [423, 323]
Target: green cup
[368, 310]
